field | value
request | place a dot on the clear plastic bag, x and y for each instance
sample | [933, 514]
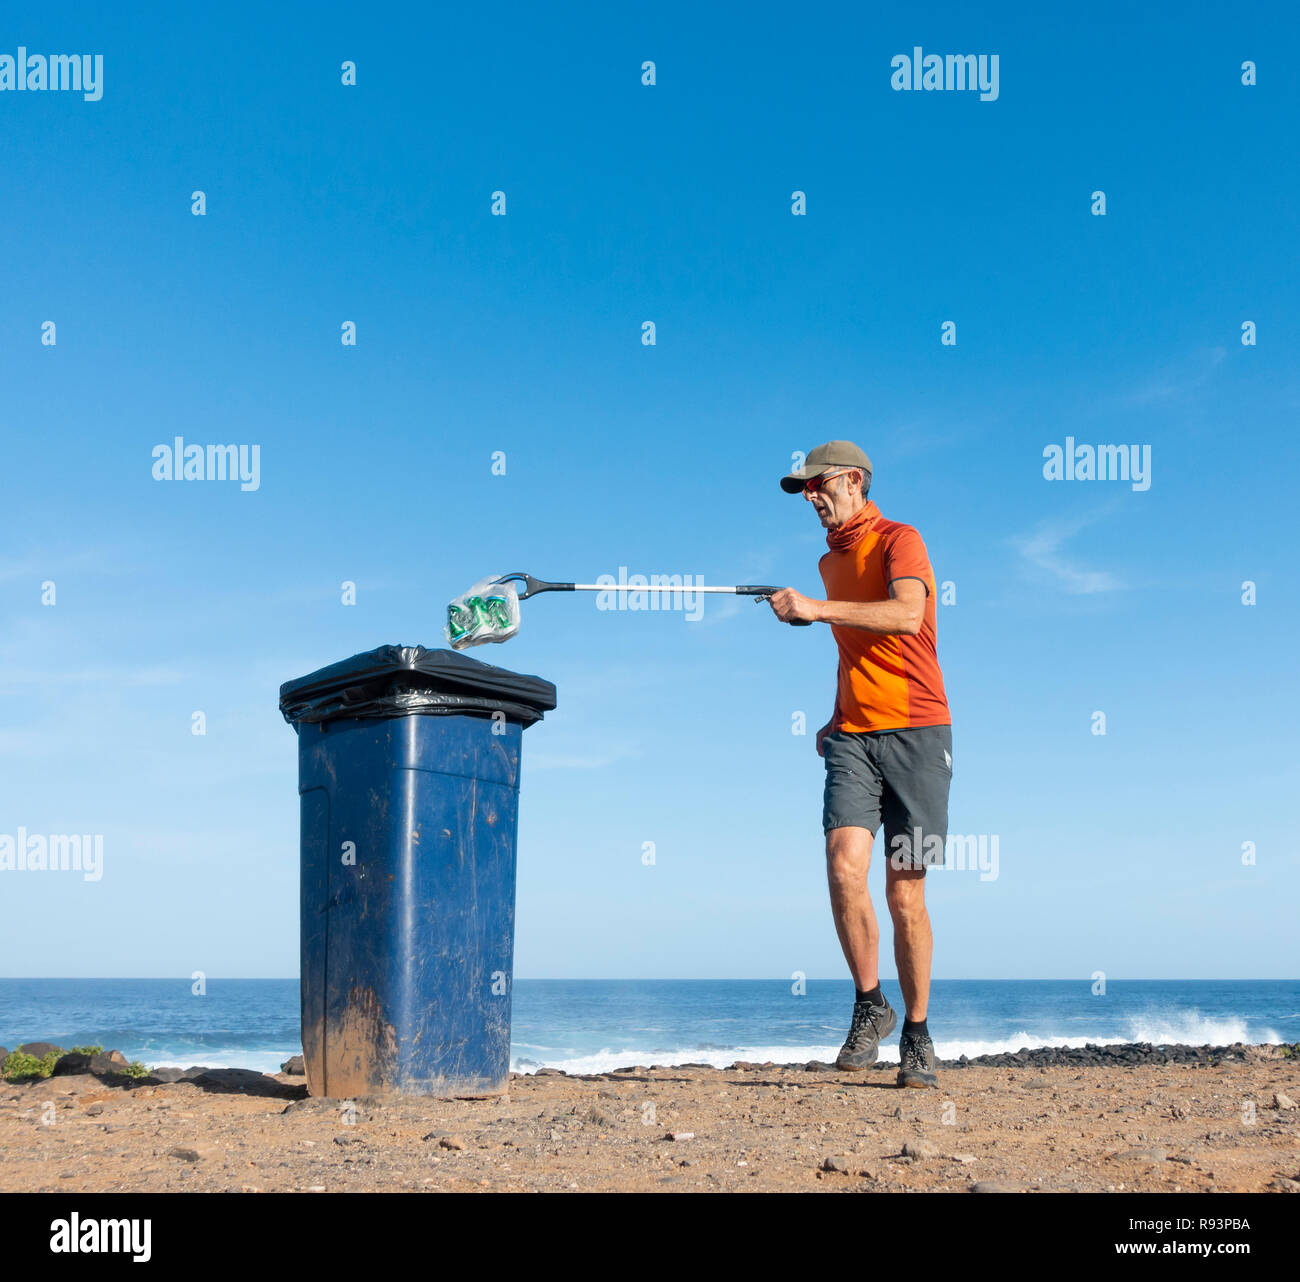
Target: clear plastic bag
[488, 612]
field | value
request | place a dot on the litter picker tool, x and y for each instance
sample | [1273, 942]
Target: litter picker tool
[489, 611]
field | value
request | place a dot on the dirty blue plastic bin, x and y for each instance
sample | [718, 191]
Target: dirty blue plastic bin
[408, 779]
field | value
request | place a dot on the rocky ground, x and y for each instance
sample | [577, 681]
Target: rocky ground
[1159, 1119]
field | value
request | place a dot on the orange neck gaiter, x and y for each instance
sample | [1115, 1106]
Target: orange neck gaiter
[849, 534]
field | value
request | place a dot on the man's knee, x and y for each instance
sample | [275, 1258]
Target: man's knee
[905, 895]
[848, 853]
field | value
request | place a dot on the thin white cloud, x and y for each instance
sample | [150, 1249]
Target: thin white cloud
[1178, 382]
[1043, 555]
[51, 563]
[16, 680]
[719, 608]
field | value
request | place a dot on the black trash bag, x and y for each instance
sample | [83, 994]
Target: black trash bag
[398, 680]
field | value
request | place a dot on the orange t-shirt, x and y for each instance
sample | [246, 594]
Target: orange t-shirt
[885, 682]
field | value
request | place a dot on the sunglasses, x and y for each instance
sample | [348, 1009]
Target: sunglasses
[814, 483]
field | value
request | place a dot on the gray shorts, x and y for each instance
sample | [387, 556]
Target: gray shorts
[898, 777]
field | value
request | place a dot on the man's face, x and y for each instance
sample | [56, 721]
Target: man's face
[836, 498]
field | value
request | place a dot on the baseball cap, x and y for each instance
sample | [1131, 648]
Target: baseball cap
[827, 458]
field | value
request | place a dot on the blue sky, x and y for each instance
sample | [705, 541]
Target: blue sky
[522, 334]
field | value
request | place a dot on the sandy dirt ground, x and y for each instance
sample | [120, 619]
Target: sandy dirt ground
[1158, 1128]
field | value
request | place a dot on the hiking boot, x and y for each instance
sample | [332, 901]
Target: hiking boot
[916, 1061]
[870, 1024]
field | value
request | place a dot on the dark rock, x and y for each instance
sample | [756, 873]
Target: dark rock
[106, 1063]
[168, 1074]
[40, 1049]
[72, 1062]
[237, 1081]
[1119, 1054]
[294, 1066]
[184, 1154]
[551, 1072]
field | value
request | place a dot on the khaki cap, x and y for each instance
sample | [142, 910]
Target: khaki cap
[827, 458]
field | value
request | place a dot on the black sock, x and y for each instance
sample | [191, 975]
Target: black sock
[875, 996]
[915, 1029]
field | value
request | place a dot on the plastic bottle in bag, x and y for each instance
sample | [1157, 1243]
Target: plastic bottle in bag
[488, 612]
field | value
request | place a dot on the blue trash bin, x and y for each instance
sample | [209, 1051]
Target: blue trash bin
[408, 779]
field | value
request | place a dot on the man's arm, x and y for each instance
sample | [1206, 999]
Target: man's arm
[901, 615]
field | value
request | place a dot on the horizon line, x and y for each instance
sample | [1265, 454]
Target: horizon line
[722, 979]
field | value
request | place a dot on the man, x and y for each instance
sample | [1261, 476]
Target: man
[888, 745]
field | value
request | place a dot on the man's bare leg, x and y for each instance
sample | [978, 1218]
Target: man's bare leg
[848, 855]
[913, 940]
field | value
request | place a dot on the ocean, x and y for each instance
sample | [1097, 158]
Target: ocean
[593, 1025]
